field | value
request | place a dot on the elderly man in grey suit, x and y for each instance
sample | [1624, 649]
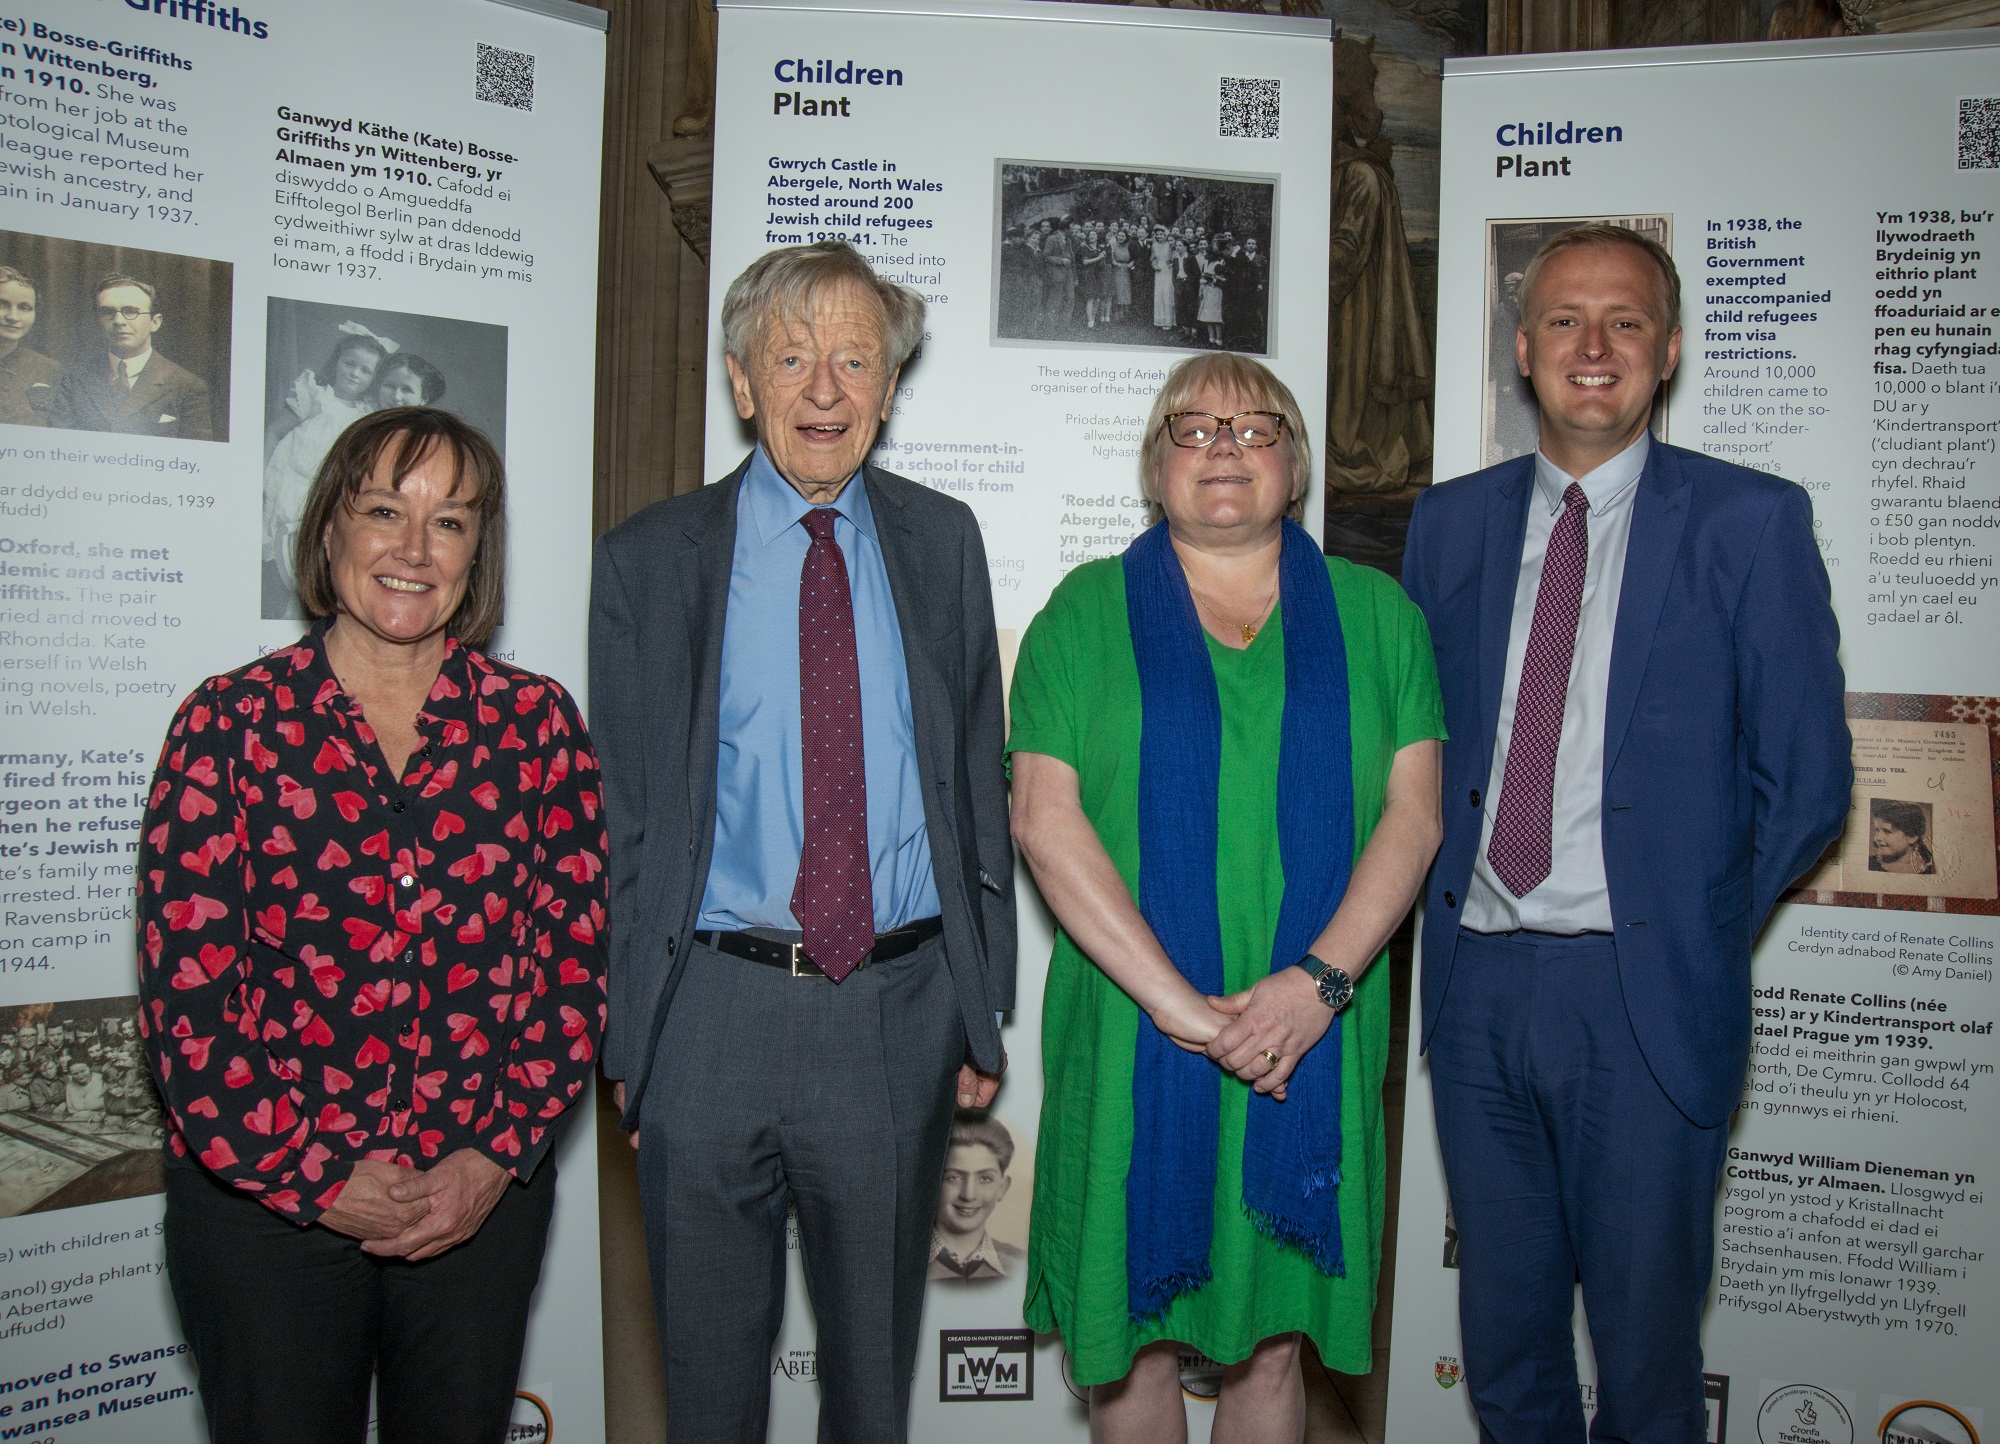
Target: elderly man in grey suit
[795, 689]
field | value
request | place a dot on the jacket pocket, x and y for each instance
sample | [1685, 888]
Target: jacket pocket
[1729, 899]
[944, 622]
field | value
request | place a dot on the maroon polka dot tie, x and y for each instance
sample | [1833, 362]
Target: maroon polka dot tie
[833, 898]
[1521, 844]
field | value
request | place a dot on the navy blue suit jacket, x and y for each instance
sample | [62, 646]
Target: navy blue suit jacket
[1727, 761]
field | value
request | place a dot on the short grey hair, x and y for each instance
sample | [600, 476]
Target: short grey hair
[780, 286]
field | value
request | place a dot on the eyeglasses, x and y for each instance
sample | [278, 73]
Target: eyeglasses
[1250, 428]
[122, 313]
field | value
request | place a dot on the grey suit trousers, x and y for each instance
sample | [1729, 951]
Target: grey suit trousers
[768, 1090]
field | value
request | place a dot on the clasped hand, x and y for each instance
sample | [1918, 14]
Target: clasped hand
[1281, 1013]
[417, 1214]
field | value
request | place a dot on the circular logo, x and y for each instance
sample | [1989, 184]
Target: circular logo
[1804, 1414]
[1077, 1391]
[1201, 1376]
[531, 1421]
[1924, 1421]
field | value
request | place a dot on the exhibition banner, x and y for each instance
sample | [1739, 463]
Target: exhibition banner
[306, 213]
[1051, 179]
[1828, 204]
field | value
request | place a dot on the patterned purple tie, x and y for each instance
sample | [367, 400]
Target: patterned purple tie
[834, 897]
[1520, 846]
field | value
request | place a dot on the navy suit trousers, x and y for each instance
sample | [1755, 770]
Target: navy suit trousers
[1565, 1160]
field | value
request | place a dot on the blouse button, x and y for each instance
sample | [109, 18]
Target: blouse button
[397, 805]
[406, 881]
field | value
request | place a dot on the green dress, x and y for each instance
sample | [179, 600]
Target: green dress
[1076, 698]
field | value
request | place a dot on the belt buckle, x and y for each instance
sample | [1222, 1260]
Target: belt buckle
[803, 966]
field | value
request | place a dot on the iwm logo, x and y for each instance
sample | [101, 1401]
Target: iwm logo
[980, 1364]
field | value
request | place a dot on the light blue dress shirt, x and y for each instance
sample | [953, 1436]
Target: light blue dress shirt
[1574, 897]
[759, 776]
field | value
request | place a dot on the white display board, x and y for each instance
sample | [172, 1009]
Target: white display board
[926, 133]
[1828, 204]
[284, 175]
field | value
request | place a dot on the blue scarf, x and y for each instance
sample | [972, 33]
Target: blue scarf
[1291, 1150]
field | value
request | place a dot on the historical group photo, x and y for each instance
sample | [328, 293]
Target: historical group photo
[79, 1120]
[1118, 257]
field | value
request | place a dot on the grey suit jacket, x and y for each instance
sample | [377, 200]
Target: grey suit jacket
[166, 400]
[659, 590]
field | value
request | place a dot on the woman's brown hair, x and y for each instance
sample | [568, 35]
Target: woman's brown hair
[409, 435]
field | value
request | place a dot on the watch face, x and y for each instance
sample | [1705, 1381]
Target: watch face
[1335, 988]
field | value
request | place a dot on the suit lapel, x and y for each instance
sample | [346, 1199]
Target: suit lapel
[707, 552]
[1659, 516]
[143, 398]
[921, 594]
[903, 558]
[102, 392]
[1499, 579]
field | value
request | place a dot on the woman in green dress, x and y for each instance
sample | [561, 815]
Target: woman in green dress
[1225, 763]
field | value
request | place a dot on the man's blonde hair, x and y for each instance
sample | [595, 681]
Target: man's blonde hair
[1603, 235]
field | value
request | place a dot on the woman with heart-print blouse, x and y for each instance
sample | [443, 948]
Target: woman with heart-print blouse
[371, 956]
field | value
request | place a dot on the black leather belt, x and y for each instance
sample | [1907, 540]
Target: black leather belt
[889, 946]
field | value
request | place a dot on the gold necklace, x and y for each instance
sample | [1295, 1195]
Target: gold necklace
[1248, 629]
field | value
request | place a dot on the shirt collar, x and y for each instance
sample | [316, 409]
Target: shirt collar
[455, 695]
[773, 504]
[1603, 486]
[988, 1252]
[133, 364]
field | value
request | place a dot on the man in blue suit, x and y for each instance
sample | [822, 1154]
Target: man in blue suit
[1648, 745]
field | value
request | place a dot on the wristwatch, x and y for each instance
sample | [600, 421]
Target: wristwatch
[1336, 989]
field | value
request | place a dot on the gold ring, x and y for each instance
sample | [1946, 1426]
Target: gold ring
[1271, 1056]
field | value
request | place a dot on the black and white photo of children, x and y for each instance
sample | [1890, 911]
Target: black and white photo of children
[326, 367]
[80, 1121]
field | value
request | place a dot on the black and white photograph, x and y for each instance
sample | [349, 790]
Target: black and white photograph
[1112, 256]
[1899, 837]
[1510, 426]
[79, 1119]
[326, 367]
[113, 338]
[980, 1234]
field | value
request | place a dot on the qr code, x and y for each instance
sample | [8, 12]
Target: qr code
[1249, 109]
[1979, 134]
[505, 77]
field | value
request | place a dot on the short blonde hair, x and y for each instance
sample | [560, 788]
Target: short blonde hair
[1250, 380]
[1606, 235]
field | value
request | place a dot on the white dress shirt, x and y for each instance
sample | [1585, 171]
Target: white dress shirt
[133, 366]
[1573, 898]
